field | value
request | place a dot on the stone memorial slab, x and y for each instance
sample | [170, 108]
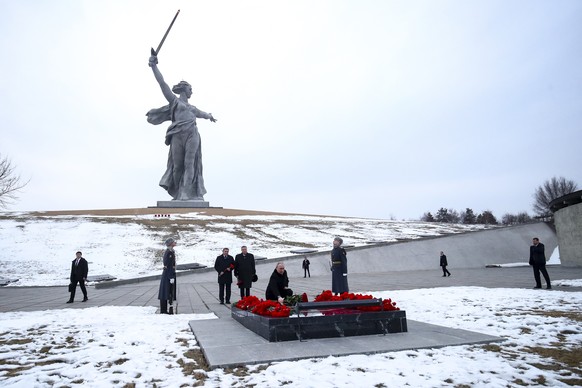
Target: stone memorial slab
[6, 281]
[189, 266]
[316, 325]
[100, 278]
[303, 251]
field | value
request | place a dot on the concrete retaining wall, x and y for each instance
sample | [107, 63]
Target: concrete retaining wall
[568, 222]
[467, 250]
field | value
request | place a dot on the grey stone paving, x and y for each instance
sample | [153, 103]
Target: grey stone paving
[238, 346]
[227, 343]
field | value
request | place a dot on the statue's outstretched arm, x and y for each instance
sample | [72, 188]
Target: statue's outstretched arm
[153, 63]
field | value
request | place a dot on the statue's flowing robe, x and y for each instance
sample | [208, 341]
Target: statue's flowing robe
[181, 134]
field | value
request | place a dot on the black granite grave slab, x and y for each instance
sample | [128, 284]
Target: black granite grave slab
[5, 281]
[100, 278]
[185, 266]
[303, 251]
[312, 325]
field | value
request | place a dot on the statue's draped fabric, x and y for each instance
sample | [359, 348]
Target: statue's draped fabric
[183, 177]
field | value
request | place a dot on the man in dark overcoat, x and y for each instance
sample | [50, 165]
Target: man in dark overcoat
[339, 268]
[537, 259]
[244, 270]
[443, 264]
[167, 292]
[305, 266]
[224, 265]
[79, 271]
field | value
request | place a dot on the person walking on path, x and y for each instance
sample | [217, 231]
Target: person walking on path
[167, 292]
[79, 271]
[244, 270]
[278, 287]
[444, 264]
[537, 259]
[339, 267]
[224, 265]
[305, 266]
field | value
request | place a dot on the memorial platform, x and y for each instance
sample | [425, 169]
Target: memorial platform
[183, 204]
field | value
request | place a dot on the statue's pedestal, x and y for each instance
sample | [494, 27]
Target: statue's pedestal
[186, 204]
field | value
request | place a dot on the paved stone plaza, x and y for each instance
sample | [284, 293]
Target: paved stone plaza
[198, 293]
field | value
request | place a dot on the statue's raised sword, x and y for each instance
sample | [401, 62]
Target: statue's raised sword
[155, 52]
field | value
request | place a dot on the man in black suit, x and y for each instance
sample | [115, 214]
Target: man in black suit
[224, 265]
[443, 264]
[537, 259]
[79, 271]
[244, 270]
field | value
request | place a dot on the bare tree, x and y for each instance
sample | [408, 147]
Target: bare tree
[516, 219]
[10, 183]
[550, 190]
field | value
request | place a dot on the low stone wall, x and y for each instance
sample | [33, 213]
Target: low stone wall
[568, 221]
[467, 250]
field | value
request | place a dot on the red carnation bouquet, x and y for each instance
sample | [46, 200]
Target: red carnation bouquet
[265, 308]
[248, 302]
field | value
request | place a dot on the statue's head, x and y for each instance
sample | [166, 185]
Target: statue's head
[182, 86]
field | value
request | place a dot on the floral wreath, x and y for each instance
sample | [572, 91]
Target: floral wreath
[273, 309]
[265, 308]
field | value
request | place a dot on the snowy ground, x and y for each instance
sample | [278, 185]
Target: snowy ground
[38, 250]
[134, 347]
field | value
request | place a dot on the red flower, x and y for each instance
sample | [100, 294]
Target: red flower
[304, 297]
[266, 308]
[270, 308]
[231, 266]
[248, 302]
[327, 296]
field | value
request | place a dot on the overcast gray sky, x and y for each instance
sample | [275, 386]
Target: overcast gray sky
[360, 108]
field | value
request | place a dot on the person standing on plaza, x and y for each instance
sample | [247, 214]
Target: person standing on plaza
[339, 268]
[537, 259]
[224, 265]
[244, 270]
[79, 271]
[167, 292]
[444, 264]
[305, 266]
